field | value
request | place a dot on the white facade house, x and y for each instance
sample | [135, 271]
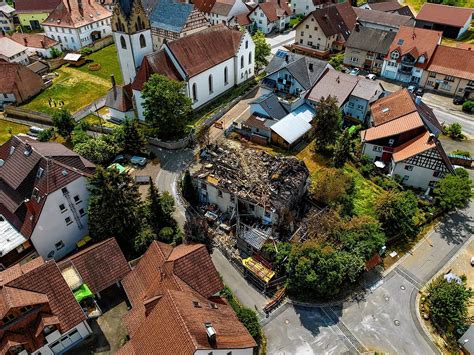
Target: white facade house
[6, 16]
[78, 23]
[54, 216]
[223, 10]
[270, 16]
[227, 58]
[12, 52]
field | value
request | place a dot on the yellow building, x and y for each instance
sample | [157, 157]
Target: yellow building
[31, 13]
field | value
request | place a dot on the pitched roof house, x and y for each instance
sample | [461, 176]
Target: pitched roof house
[36, 43]
[175, 306]
[78, 23]
[18, 83]
[39, 311]
[119, 101]
[354, 94]
[382, 20]
[210, 62]
[12, 52]
[270, 16]
[31, 13]
[44, 197]
[325, 30]
[171, 19]
[451, 71]
[304, 7]
[221, 11]
[6, 16]
[410, 53]
[390, 7]
[453, 21]
[404, 138]
[366, 48]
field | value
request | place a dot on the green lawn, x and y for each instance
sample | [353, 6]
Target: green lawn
[366, 193]
[93, 120]
[416, 5]
[107, 58]
[15, 127]
[73, 87]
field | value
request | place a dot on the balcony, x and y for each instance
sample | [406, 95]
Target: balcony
[404, 69]
[408, 62]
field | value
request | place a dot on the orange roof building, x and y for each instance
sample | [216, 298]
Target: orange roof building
[175, 305]
[410, 53]
[403, 140]
[452, 20]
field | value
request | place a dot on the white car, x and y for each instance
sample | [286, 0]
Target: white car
[472, 260]
[371, 76]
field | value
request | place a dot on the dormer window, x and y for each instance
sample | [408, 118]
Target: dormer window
[395, 55]
[421, 59]
[49, 329]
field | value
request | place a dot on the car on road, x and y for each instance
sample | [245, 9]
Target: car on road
[136, 160]
[35, 131]
[411, 88]
[419, 92]
[371, 76]
[459, 100]
[354, 71]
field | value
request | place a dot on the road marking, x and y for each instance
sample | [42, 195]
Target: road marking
[407, 275]
[348, 337]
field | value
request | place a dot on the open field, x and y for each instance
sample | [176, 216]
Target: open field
[108, 60]
[416, 5]
[15, 129]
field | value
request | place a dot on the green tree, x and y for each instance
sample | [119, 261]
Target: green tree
[454, 190]
[189, 191]
[277, 255]
[166, 106]
[319, 272]
[250, 321]
[397, 212]
[362, 236]
[448, 303]
[130, 137]
[79, 134]
[262, 49]
[115, 207]
[159, 208]
[196, 230]
[63, 122]
[455, 131]
[328, 123]
[336, 61]
[97, 150]
[342, 150]
[166, 235]
[143, 240]
[330, 186]
[46, 135]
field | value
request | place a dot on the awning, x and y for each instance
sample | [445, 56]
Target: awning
[82, 292]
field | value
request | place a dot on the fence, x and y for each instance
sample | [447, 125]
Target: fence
[30, 115]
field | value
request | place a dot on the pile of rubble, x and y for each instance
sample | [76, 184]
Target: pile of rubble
[256, 176]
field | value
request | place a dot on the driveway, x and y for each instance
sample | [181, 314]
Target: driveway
[385, 318]
[277, 41]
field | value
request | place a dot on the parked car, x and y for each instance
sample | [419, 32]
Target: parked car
[371, 76]
[411, 88]
[136, 160]
[34, 131]
[419, 92]
[458, 100]
[120, 159]
[354, 71]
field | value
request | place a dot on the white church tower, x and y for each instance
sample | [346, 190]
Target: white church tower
[132, 36]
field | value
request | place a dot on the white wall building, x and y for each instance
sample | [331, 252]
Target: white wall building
[12, 52]
[78, 23]
[223, 10]
[270, 16]
[6, 16]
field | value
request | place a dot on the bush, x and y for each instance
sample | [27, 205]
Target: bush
[455, 131]
[454, 190]
[463, 153]
[166, 235]
[55, 52]
[468, 106]
[46, 135]
[86, 51]
[367, 165]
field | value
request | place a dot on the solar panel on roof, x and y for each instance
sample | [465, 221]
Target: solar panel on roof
[400, 42]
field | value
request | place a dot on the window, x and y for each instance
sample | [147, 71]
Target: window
[470, 83]
[62, 208]
[142, 41]
[351, 104]
[432, 75]
[405, 178]
[449, 78]
[409, 167]
[203, 186]
[315, 28]
[210, 84]
[59, 245]
[395, 55]
[307, 26]
[241, 62]
[39, 173]
[219, 193]
[250, 58]
[68, 220]
[302, 33]
[226, 76]
[391, 141]
[122, 42]
[437, 173]
[377, 149]
[195, 97]
[82, 212]
[246, 44]
[35, 194]
[77, 199]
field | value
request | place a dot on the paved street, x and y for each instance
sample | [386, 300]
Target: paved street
[277, 41]
[385, 320]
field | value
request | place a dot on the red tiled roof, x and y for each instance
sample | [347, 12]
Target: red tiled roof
[100, 266]
[395, 105]
[415, 146]
[417, 42]
[120, 97]
[204, 5]
[386, 6]
[18, 177]
[401, 124]
[15, 298]
[46, 278]
[453, 62]
[19, 80]
[445, 15]
[202, 50]
[29, 6]
[33, 40]
[274, 10]
[243, 19]
[70, 14]
[177, 326]
[334, 19]
[155, 63]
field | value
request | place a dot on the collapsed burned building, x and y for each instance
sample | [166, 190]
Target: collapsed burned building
[251, 188]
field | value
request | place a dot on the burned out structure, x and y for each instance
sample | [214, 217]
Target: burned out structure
[252, 189]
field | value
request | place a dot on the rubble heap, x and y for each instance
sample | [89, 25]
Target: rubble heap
[256, 176]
